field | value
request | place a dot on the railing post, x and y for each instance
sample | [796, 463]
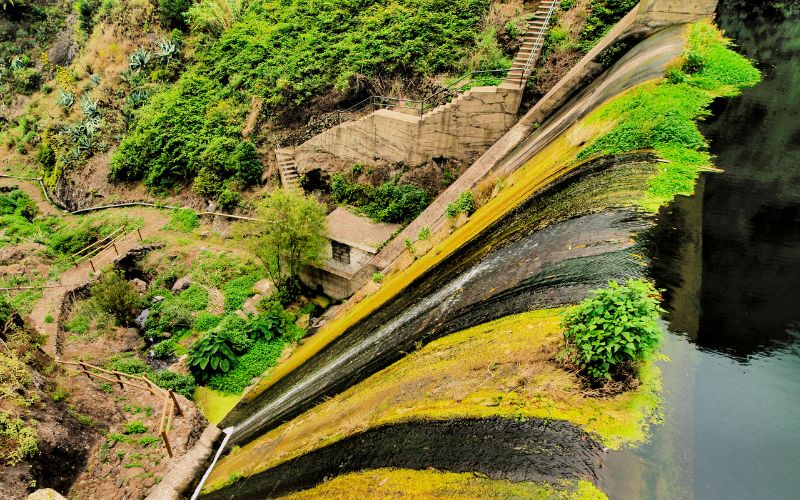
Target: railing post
[92, 264]
[140, 234]
[175, 402]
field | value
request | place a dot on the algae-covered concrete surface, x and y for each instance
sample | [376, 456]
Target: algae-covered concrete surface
[503, 368]
[412, 484]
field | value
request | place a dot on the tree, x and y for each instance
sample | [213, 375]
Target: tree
[292, 235]
[116, 296]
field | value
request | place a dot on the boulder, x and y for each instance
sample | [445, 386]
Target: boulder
[139, 285]
[182, 284]
[46, 494]
[250, 306]
[264, 287]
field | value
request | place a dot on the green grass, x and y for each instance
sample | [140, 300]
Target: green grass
[663, 116]
[237, 291]
[183, 220]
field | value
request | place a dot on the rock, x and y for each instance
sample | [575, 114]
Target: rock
[182, 284]
[139, 285]
[264, 288]
[303, 321]
[46, 494]
[157, 299]
[242, 315]
[250, 304]
[142, 317]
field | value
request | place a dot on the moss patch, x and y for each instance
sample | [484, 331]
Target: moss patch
[501, 368]
[405, 483]
[214, 404]
[662, 116]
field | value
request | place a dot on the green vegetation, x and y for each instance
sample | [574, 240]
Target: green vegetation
[390, 202]
[179, 383]
[291, 238]
[662, 117]
[17, 439]
[228, 357]
[614, 329]
[134, 427]
[116, 296]
[184, 220]
[603, 15]
[286, 53]
[463, 204]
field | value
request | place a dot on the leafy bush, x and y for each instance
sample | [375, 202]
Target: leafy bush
[271, 324]
[17, 439]
[214, 16]
[171, 13]
[134, 427]
[164, 349]
[86, 11]
[194, 298]
[463, 204]
[614, 328]
[17, 202]
[217, 351]
[228, 200]
[116, 296]
[389, 202]
[176, 382]
[170, 316]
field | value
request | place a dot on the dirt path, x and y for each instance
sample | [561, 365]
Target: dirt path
[49, 306]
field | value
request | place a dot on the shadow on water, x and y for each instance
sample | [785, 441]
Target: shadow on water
[729, 259]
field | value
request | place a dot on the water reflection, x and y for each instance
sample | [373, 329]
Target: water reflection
[729, 259]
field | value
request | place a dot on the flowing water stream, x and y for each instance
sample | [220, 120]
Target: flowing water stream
[729, 259]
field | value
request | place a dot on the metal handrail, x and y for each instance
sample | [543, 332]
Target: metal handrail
[537, 44]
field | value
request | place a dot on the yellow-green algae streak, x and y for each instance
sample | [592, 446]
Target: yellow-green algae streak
[501, 368]
[214, 404]
[405, 483]
[505, 367]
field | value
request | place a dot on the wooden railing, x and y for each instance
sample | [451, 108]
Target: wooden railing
[169, 408]
[94, 252]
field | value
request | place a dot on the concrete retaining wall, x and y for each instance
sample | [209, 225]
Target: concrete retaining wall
[462, 129]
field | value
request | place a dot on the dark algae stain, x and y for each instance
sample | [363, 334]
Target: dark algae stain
[525, 450]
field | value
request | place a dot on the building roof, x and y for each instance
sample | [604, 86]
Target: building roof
[356, 231]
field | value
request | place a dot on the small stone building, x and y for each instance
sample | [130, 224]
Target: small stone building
[352, 241]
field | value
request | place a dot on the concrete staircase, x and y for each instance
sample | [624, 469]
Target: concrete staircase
[290, 178]
[532, 42]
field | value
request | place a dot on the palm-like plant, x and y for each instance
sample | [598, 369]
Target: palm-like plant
[138, 98]
[167, 50]
[19, 62]
[95, 79]
[89, 106]
[92, 125]
[140, 59]
[65, 99]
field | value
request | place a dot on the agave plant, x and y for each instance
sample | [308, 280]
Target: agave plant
[167, 50]
[19, 62]
[95, 79]
[92, 125]
[89, 106]
[138, 98]
[140, 60]
[65, 99]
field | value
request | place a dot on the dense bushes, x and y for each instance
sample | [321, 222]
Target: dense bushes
[286, 52]
[177, 382]
[603, 15]
[17, 202]
[116, 296]
[463, 204]
[614, 328]
[390, 202]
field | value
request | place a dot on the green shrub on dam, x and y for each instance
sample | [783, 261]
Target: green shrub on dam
[663, 116]
[613, 329]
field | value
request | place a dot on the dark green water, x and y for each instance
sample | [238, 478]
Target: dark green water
[729, 259]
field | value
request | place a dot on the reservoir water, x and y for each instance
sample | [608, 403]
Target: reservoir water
[729, 260]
